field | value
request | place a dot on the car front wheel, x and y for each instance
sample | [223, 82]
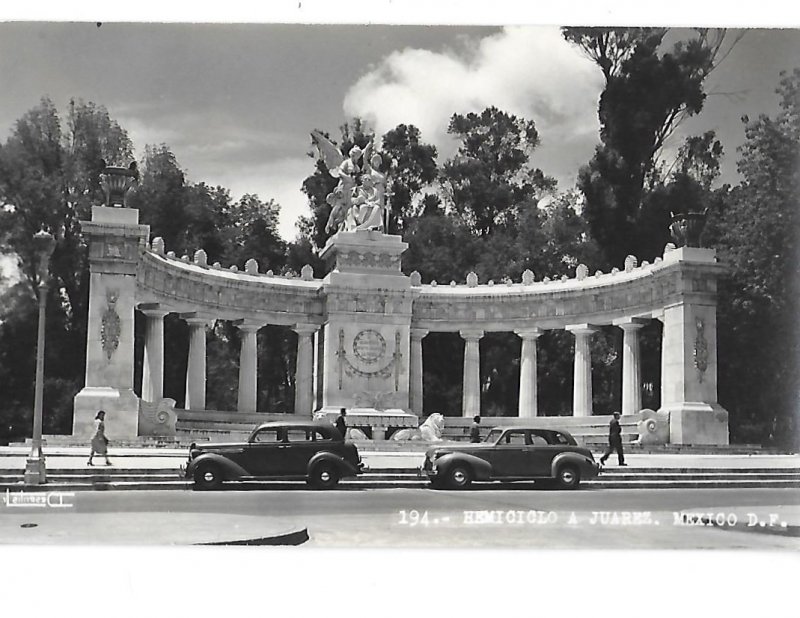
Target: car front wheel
[459, 477]
[324, 476]
[207, 477]
[569, 477]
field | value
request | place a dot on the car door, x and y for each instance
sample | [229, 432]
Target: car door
[541, 454]
[263, 454]
[298, 450]
[508, 456]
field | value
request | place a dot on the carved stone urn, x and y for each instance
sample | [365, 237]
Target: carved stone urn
[117, 183]
[687, 228]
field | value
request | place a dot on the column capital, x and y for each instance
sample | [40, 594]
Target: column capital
[247, 326]
[631, 323]
[193, 318]
[418, 333]
[582, 329]
[153, 310]
[471, 334]
[529, 333]
[305, 329]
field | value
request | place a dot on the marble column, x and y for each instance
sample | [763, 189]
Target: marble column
[471, 400]
[415, 369]
[153, 365]
[196, 367]
[582, 383]
[528, 394]
[304, 370]
[248, 366]
[663, 359]
[631, 365]
[319, 368]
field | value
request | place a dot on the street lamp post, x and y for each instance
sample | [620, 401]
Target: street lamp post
[35, 470]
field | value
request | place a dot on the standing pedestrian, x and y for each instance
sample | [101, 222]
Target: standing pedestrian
[99, 440]
[614, 441]
[475, 429]
[341, 423]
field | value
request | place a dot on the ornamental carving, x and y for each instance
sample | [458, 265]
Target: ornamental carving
[700, 351]
[369, 346]
[110, 325]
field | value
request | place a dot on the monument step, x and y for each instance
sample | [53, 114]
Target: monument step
[360, 484]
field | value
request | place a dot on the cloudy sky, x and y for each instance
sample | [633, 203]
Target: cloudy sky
[236, 102]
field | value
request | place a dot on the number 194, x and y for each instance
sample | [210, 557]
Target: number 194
[413, 518]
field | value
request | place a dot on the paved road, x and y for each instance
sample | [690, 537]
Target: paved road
[486, 518]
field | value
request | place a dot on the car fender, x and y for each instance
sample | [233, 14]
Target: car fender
[230, 469]
[480, 467]
[344, 466]
[572, 458]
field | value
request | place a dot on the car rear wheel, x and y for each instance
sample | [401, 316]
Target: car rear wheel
[207, 477]
[569, 477]
[324, 476]
[459, 477]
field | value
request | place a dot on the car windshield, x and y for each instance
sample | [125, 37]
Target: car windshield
[493, 436]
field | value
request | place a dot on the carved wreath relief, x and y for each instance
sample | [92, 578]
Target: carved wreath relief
[700, 351]
[110, 325]
[369, 348]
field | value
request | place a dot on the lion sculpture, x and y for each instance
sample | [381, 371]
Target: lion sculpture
[429, 431]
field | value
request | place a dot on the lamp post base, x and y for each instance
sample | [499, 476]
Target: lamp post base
[35, 471]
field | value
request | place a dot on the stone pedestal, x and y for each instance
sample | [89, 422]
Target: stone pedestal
[116, 240]
[689, 354]
[121, 407]
[366, 351]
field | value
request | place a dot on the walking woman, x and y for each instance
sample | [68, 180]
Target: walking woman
[99, 440]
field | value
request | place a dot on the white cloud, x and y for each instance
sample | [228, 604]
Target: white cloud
[531, 72]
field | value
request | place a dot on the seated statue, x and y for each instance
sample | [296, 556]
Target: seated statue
[370, 211]
[429, 431]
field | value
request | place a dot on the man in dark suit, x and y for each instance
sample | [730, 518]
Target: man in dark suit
[614, 441]
[475, 430]
[341, 424]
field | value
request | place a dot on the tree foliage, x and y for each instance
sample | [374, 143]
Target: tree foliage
[759, 302]
[490, 178]
[49, 179]
[648, 93]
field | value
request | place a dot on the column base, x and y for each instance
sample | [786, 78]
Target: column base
[697, 423]
[121, 407]
[35, 471]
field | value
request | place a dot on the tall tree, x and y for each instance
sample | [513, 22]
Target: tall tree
[49, 178]
[490, 176]
[648, 93]
[411, 166]
[760, 301]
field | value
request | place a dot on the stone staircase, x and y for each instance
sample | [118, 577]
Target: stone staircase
[592, 431]
[122, 478]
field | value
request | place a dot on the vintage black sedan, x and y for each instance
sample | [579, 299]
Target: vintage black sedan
[314, 452]
[512, 454]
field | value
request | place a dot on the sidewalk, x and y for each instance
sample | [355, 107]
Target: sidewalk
[59, 458]
[26, 527]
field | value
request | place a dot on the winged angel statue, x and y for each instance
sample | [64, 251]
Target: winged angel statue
[359, 200]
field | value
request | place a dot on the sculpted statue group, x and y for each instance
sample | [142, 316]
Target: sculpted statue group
[359, 201]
